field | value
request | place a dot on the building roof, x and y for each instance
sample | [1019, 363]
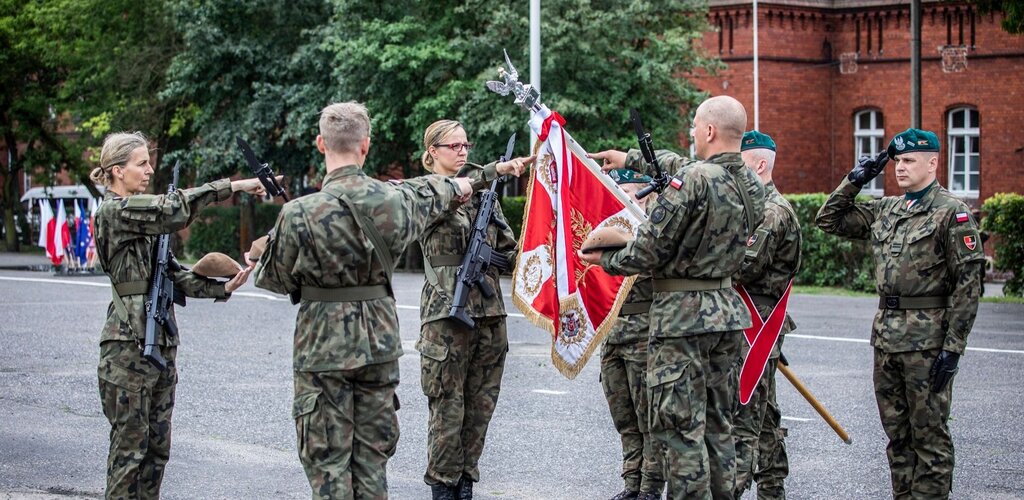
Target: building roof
[819, 4]
[48, 192]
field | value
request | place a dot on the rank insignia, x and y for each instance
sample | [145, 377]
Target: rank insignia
[751, 240]
[962, 217]
[676, 183]
[971, 242]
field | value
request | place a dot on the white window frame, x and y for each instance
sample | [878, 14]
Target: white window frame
[962, 135]
[877, 135]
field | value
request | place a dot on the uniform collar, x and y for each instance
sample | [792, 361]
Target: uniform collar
[726, 158]
[924, 198]
[341, 172]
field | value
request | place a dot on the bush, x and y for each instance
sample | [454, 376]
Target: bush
[1004, 217]
[829, 260]
[216, 229]
[513, 207]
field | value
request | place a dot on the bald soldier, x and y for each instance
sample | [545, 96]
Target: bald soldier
[692, 244]
[772, 260]
[333, 252]
[928, 269]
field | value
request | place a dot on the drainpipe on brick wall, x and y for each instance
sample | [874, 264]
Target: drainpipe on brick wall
[915, 63]
[756, 89]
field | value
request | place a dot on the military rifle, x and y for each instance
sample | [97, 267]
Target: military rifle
[261, 170]
[647, 150]
[479, 255]
[162, 295]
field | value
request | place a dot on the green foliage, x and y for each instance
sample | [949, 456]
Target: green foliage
[1004, 217]
[513, 207]
[216, 229]
[1013, 9]
[416, 62]
[830, 260]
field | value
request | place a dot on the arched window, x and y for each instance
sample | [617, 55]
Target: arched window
[868, 134]
[964, 131]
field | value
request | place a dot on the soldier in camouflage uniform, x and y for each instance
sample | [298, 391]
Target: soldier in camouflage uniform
[333, 251]
[624, 374]
[693, 244]
[461, 367]
[137, 396]
[928, 269]
[772, 260]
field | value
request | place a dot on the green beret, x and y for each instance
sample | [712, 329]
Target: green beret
[627, 176]
[756, 140]
[913, 140]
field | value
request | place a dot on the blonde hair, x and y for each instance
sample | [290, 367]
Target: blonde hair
[434, 134]
[344, 125]
[117, 150]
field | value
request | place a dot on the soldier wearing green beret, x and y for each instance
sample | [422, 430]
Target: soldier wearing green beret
[928, 268]
[334, 251]
[772, 259]
[137, 396]
[460, 367]
[624, 374]
[692, 246]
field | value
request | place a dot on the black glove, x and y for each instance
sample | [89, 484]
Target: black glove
[867, 168]
[943, 369]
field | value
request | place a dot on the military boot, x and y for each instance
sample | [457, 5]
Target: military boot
[465, 488]
[650, 496]
[443, 492]
[626, 495]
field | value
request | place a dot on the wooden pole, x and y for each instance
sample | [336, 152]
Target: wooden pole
[806, 393]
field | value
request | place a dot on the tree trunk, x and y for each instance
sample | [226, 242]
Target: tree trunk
[10, 193]
[246, 223]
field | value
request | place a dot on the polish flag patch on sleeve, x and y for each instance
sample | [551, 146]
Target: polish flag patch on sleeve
[676, 182]
[962, 217]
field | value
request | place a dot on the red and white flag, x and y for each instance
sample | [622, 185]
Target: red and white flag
[761, 337]
[577, 303]
[61, 233]
[45, 216]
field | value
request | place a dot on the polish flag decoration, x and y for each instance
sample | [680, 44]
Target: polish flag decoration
[761, 337]
[575, 302]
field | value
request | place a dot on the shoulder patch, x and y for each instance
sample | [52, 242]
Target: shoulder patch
[751, 240]
[971, 241]
[962, 217]
[676, 183]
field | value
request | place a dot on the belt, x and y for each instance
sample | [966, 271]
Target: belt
[131, 288]
[445, 260]
[689, 285]
[897, 302]
[631, 308]
[345, 294]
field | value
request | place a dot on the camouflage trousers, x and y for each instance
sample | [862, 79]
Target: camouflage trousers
[347, 429]
[460, 371]
[915, 419]
[624, 379]
[759, 437]
[137, 400]
[694, 382]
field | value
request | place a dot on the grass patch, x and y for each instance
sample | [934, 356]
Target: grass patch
[828, 290]
[1003, 300]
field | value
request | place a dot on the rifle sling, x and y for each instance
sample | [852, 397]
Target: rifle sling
[370, 230]
[445, 260]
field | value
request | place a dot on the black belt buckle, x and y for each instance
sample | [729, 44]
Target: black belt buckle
[892, 302]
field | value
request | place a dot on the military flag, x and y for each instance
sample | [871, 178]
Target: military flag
[761, 338]
[575, 302]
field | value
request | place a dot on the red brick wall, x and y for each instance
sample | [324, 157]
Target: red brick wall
[808, 106]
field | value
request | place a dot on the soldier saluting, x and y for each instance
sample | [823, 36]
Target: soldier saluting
[928, 269]
[333, 252]
[137, 395]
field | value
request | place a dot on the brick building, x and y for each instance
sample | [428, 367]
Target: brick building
[835, 83]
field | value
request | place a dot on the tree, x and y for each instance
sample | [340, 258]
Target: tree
[1013, 9]
[415, 62]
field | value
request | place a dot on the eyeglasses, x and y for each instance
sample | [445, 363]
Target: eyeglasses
[456, 146]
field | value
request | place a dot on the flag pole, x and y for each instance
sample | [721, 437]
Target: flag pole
[534, 56]
[806, 393]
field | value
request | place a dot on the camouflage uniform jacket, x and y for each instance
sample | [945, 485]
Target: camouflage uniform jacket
[697, 230]
[449, 235]
[926, 250]
[629, 329]
[317, 242]
[773, 254]
[126, 231]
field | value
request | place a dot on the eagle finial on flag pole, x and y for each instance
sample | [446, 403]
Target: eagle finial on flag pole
[527, 96]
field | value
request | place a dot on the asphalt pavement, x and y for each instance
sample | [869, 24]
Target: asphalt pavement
[551, 438]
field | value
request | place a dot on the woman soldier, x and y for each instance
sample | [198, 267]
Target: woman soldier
[138, 396]
[461, 367]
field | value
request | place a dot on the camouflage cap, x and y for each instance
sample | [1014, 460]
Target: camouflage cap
[913, 140]
[605, 238]
[627, 176]
[216, 265]
[756, 140]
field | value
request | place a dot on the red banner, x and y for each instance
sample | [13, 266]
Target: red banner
[761, 337]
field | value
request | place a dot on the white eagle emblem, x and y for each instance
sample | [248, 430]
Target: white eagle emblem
[900, 145]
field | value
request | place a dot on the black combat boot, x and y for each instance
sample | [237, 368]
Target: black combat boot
[650, 496]
[626, 495]
[465, 488]
[443, 492]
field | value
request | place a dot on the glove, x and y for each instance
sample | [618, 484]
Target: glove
[867, 168]
[943, 369]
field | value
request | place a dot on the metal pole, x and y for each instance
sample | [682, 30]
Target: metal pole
[915, 63]
[534, 55]
[756, 89]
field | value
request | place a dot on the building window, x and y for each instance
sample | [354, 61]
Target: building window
[964, 152]
[868, 134]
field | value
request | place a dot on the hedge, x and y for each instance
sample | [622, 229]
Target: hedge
[512, 207]
[216, 229]
[1004, 217]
